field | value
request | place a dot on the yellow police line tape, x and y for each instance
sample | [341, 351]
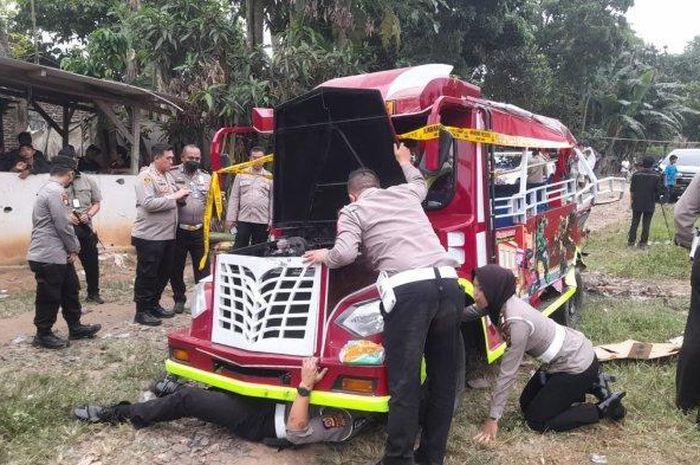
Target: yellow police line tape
[483, 136]
[215, 202]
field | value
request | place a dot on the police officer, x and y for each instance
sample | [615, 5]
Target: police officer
[190, 231]
[153, 234]
[52, 252]
[250, 207]
[686, 212]
[421, 303]
[85, 197]
[247, 417]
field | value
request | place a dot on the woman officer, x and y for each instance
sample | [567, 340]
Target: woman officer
[554, 398]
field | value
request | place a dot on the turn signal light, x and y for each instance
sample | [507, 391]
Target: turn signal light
[181, 355]
[359, 385]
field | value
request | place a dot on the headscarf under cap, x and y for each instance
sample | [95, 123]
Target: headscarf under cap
[498, 285]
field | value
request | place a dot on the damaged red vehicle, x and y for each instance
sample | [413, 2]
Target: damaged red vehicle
[262, 310]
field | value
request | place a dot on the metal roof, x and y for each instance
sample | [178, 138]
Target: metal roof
[52, 85]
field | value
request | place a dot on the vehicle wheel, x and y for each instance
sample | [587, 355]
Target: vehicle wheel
[570, 313]
[461, 370]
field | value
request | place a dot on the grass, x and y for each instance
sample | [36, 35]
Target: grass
[36, 401]
[653, 432]
[608, 252]
[17, 302]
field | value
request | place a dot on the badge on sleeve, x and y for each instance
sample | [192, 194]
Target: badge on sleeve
[334, 420]
[66, 201]
[147, 180]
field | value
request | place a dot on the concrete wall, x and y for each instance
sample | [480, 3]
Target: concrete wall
[113, 222]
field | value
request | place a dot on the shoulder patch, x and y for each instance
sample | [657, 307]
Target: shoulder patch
[64, 198]
[147, 180]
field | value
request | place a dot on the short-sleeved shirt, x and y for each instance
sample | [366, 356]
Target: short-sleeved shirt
[670, 174]
[191, 212]
[328, 425]
[83, 193]
[251, 198]
[156, 214]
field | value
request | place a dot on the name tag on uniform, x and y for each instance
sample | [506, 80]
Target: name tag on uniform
[76, 203]
[386, 292]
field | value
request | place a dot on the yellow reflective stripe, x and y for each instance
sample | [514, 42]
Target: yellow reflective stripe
[378, 404]
[215, 202]
[467, 286]
[570, 280]
[483, 136]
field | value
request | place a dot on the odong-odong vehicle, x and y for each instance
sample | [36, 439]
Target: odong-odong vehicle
[262, 310]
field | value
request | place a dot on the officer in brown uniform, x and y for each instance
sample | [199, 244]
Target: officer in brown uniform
[190, 230]
[85, 198]
[686, 212]
[52, 251]
[250, 207]
[421, 303]
[153, 234]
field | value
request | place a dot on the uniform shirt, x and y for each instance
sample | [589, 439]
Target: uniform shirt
[251, 198]
[686, 211]
[39, 163]
[645, 188]
[327, 425]
[395, 232]
[531, 332]
[670, 174]
[537, 174]
[156, 215]
[83, 193]
[192, 212]
[53, 236]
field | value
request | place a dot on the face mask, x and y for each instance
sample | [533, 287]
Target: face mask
[191, 166]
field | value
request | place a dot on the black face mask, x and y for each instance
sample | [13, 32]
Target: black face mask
[191, 166]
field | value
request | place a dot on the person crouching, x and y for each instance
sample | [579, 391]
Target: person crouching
[554, 398]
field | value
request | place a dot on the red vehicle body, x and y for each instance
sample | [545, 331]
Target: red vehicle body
[262, 310]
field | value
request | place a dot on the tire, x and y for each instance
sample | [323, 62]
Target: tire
[570, 313]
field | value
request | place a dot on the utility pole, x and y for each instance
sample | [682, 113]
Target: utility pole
[35, 35]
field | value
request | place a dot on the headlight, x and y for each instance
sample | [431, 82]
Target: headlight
[364, 319]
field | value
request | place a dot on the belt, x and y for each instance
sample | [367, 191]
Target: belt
[190, 227]
[421, 274]
[555, 347]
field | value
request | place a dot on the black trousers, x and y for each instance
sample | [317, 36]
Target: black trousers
[559, 403]
[154, 261]
[88, 258]
[249, 234]
[646, 223]
[56, 286]
[192, 243]
[687, 371]
[247, 417]
[425, 320]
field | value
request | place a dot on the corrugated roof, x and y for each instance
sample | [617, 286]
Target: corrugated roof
[52, 85]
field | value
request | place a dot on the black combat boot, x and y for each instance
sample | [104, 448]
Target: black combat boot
[145, 318]
[100, 413]
[160, 312]
[48, 340]
[179, 307]
[81, 331]
[612, 407]
[95, 298]
[166, 385]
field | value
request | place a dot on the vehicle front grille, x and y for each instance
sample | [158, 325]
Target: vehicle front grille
[266, 304]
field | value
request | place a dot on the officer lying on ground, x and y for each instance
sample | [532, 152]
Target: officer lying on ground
[555, 397]
[247, 417]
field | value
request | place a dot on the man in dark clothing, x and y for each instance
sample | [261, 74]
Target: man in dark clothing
[25, 159]
[250, 418]
[645, 189]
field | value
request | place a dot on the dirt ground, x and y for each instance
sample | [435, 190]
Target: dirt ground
[189, 442]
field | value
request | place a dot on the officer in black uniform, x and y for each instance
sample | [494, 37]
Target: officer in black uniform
[52, 252]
